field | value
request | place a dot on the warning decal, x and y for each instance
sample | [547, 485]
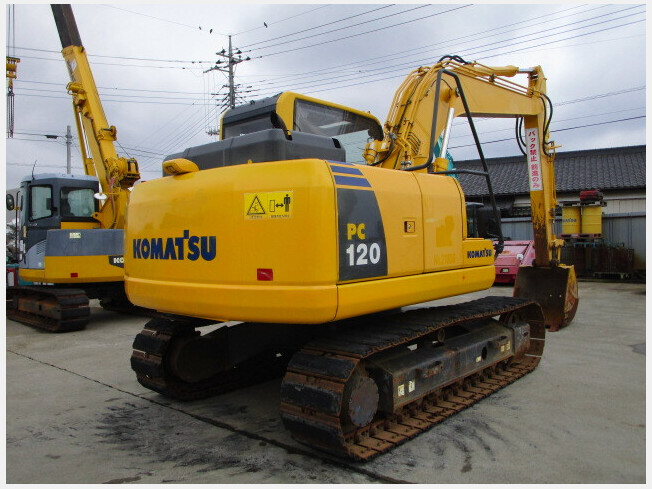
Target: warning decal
[269, 205]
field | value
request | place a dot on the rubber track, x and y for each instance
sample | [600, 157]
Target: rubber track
[312, 392]
[148, 361]
[72, 307]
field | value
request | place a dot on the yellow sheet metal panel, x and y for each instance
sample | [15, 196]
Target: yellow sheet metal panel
[379, 295]
[31, 274]
[286, 104]
[477, 252]
[399, 202]
[80, 225]
[83, 269]
[303, 241]
[266, 226]
[443, 204]
[271, 303]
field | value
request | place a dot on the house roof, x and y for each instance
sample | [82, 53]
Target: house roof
[603, 169]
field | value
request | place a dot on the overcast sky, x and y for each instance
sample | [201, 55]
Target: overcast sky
[150, 63]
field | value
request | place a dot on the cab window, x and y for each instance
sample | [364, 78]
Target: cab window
[77, 202]
[352, 130]
[40, 202]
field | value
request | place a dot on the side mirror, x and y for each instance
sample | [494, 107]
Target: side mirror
[11, 205]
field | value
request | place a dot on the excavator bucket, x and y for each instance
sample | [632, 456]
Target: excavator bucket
[554, 288]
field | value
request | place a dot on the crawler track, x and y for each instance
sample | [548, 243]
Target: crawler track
[51, 309]
[148, 360]
[314, 390]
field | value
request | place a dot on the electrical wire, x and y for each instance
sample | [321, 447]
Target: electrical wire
[387, 57]
[121, 89]
[282, 20]
[276, 38]
[367, 32]
[556, 130]
[383, 75]
[158, 18]
[158, 60]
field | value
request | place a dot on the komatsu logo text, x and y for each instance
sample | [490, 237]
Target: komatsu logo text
[184, 247]
[480, 253]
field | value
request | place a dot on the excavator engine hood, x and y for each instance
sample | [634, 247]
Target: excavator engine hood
[554, 288]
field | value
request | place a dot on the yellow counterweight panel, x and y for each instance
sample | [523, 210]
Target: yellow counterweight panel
[82, 269]
[271, 303]
[305, 241]
[238, 217]
[379, 295]
[74, 269]
[80, 225]
[31, 274]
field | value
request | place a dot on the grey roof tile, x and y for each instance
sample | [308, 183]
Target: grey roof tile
[604, 169]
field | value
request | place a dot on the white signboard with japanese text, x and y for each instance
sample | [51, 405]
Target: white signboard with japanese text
[533, 159]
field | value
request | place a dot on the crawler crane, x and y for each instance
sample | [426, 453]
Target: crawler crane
[315, 254]
[73, 245]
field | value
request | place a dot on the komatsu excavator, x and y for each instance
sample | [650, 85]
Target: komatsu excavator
[73, 244]
[312, 226]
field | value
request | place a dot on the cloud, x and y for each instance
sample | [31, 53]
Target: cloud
[161, 107]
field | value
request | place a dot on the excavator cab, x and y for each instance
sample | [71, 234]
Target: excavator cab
[287, 126]
[55, 217]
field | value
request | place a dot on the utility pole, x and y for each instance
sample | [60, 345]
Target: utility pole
[68, 148]
[231, 59]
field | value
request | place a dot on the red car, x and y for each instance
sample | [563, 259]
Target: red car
[515, 254]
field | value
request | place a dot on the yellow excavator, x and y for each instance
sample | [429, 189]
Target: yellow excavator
[72, 236]
[309, 226]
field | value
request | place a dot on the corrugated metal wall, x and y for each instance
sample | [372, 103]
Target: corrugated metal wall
[617, 229]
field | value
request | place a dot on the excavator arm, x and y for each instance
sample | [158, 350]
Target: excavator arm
[423, 110]
[116, 174]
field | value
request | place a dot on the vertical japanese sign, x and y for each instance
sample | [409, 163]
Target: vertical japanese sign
[533, 159]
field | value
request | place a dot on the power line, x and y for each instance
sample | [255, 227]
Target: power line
[282, 20]
[324, 25]
[576, 36]
[163, 20]
[384, 72]
[121, 89]
[116, 94]
[556, 130]
[125, 65]
[314, 72]
[115, 101]
[355, 65]
[158, 60]
[370, 31]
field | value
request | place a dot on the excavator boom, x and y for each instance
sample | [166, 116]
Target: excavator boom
[423, 110]
[116, 174]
